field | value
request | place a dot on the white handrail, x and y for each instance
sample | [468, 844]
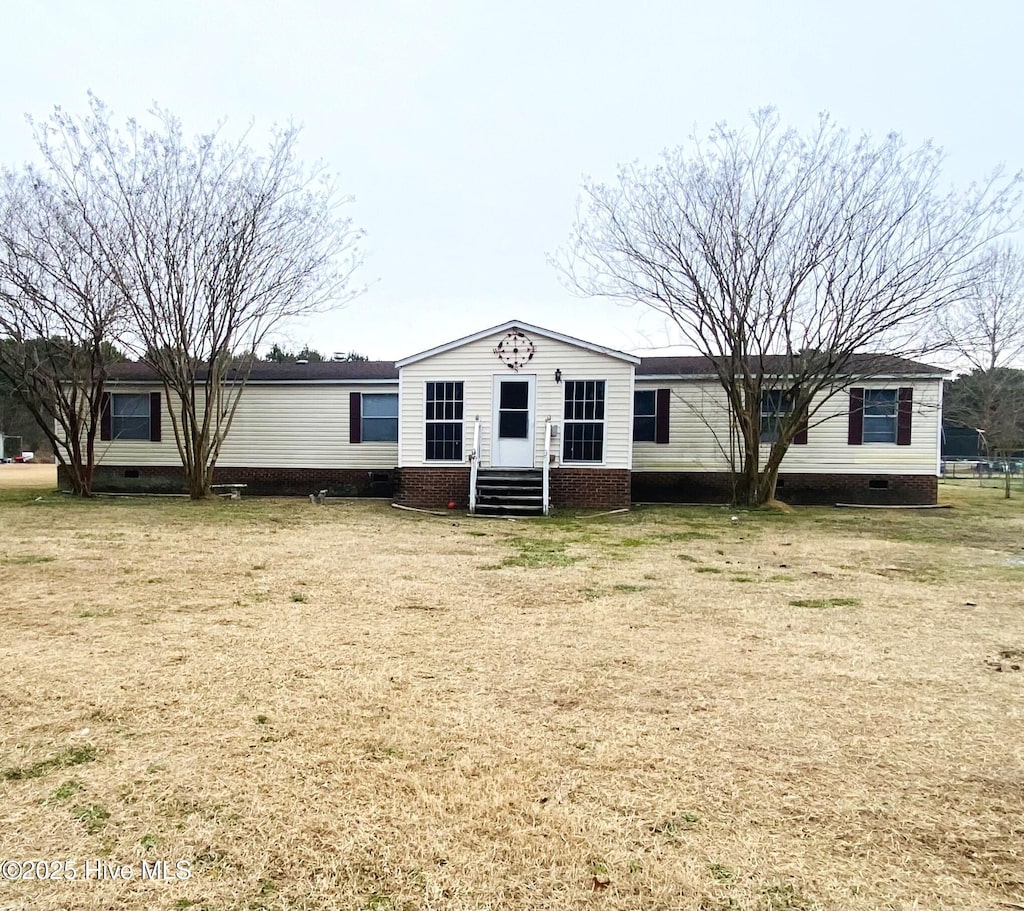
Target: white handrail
[547, 465]
[474, 463]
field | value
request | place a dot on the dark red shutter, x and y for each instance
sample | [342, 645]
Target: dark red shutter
[105, 416]
[355, 417]
[154, 417]
[663, 401]
[800, 437]
[856, 433]
[904, 416]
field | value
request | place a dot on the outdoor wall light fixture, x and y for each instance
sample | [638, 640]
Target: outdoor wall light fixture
[558, 376]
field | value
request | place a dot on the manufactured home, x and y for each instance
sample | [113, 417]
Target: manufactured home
[518, 419]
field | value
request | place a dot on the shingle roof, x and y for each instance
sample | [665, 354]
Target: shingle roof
[861, 364]
[270, 371]
[377, 371]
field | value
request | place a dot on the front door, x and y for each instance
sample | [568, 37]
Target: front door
[513, 422]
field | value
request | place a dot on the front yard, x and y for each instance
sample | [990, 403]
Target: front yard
[355, 706]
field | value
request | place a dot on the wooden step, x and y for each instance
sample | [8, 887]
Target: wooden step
[510, 492]
[508, 509]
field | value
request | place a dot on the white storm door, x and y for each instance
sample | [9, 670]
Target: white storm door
[512, 437]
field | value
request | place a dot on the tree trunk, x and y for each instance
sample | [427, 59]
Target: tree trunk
[79, 487]
[770, 475]
[766, 491]
[747, 480]
[79, 470]
[85, 467]
[198, 488]
[199, 479]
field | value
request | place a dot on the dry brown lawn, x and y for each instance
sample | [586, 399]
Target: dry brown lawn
[352, 706]
[33, 474]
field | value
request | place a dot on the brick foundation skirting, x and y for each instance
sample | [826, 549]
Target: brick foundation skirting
[433, 488]
[589, 488]
[571, 488]
[797, 489]
[275, 482]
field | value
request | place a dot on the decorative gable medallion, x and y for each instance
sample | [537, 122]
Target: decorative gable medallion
[515, 350]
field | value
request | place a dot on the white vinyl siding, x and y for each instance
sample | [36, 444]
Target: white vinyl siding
[828, 450]
[475, 365]
[700, 438]
[142, 451]
[298, 425]
[698, 428]
[276, 426]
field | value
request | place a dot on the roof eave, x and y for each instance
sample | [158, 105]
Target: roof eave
[661, 377]
[517, 324]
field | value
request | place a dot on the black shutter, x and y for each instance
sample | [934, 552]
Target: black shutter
[904, 415]
[105, 416]
[855, 435]
[800, 437]
[355, 417]
[663, 401]
[154, 417]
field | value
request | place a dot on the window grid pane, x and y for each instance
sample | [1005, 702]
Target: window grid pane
[379, 417]
[879, 416]
[584, 442]
[444, 421]
[129, 416]
[444, 441]
[775, 406]
[380, 430]
[380, 404]
[645, 407]
[644, 430]
[583, 430]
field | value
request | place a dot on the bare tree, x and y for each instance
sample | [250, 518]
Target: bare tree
[986, 327]
[986, 332]
[786, 259]
[217, 246]
[59, 314]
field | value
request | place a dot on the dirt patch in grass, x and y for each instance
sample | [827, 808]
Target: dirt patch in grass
[467, 713]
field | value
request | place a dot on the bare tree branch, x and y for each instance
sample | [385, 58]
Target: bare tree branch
[986, 332]
[763, 242]
[214, 247]
[59, 315]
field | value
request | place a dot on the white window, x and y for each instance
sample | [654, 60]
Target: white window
[444, 422]
[645, 416]
[583, 430]
[379, 417]
[879, 416]
[129, 416]
[775, 407]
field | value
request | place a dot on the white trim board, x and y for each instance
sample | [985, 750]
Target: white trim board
[527, 327]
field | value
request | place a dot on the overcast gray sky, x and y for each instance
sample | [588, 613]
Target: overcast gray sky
[463, 128]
